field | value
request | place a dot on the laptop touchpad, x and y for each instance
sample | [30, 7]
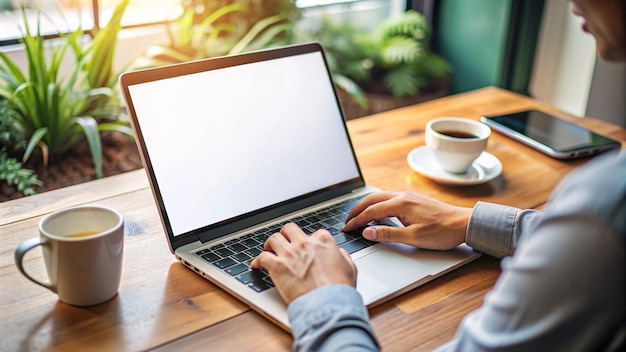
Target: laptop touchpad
[370, 288]
[385, 271]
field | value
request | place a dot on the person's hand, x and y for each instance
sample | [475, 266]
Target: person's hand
[429, 223]
[298, 263]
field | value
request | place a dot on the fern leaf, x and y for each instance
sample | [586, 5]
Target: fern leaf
[401, 50]
[402, 82]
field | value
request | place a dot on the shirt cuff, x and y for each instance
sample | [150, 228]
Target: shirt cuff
[491, 229]
[323, 308]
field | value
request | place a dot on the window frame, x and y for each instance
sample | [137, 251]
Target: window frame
[96, 12]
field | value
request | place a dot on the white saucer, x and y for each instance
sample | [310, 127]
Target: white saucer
[484, 169]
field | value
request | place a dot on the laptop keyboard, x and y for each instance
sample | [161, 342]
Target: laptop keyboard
[234, 256]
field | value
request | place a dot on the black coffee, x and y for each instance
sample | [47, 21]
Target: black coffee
[457, 134]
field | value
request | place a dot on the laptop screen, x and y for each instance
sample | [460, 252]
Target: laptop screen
[232, 140]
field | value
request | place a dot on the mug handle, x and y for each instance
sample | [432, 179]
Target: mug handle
[19, 256]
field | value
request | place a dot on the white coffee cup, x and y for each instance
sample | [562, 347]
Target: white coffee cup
[82, 250]
[456, 142]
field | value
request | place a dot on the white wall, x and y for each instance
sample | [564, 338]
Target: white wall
[564, 60]
[568, 74]
[607, 97]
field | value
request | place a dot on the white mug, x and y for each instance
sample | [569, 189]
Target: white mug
[82, 250]
[456, 142]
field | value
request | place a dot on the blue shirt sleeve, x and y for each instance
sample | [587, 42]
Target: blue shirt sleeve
[331, 318]
[497, 229]
[563, 289]
[562, 284]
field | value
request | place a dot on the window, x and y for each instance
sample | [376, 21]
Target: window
[366, 13]
[67, 15]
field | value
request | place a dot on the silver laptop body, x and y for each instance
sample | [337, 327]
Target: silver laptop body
[239, 145]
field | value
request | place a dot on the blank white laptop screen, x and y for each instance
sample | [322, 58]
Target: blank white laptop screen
[220, 148]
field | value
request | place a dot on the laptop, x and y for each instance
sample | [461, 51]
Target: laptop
[235, 147]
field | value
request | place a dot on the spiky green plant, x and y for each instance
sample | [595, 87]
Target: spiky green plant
[212, 36]
[54, 112]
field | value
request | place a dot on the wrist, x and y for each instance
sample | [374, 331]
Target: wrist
[461, 223]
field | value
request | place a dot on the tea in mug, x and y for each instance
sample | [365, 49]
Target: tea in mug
[83, 234]
[84, 248]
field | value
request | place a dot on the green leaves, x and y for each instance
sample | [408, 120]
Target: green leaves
[400, 50]
[411, 24]
[262, 35]
[403, 82]
[11, 171]
[213, 37]
[34, 141]
[90, 129]
[98, 58]
[350, 87]
[393, 57]
[54, 112]
[9, 134]
[13, 174]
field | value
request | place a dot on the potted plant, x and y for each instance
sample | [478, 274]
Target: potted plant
[252, 12]
[225, 30]
[55, 112]
[388, 66]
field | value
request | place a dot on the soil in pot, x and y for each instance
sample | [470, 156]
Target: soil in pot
[120, 155]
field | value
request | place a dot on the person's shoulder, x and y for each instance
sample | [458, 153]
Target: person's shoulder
[597, 188]
[603, 175]
[609, 166]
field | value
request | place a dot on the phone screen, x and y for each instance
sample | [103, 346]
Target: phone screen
[557, 134]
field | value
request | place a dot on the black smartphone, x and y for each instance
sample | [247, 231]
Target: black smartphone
[553, 136]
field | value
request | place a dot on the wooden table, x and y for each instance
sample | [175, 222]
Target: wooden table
[162, 305]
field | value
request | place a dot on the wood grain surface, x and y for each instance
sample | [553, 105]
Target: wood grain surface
[164, 306]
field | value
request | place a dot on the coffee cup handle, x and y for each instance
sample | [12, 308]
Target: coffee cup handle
[19, 256]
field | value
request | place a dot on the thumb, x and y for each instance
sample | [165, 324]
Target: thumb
[383, 234]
